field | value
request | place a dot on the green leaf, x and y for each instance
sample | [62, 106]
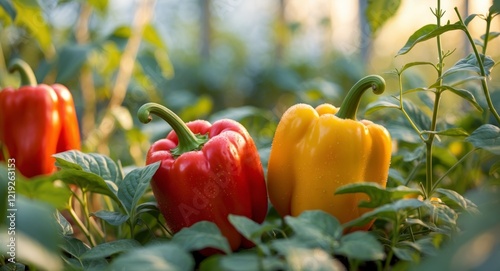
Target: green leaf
[158, 257]
[33, 226]
[74, 246]
[389, 212]
[203, 234]
[148, 207]
[427, 224]
[470, 63]
[465, 80]
[65, 228]
[449, 132]
[378, 194]
[416, 63]
[467, 95]
[486, 137]
[315, 229]
[45, 188]
[36, 219]
[33, 20]
[156, 65]
[421, 119]
[241, 262]
[361, 246]
[87, 181]
[379, 11]
[250, 229]
[429, 244]
[5, 182]
[494, 168]
[453, 198]
[134, 185]
[418, 89]
[380, 104]
[99, 5]
[70, 60]
[108, 249]
[495, 8]
[491, 36]
[481, 230]
[401, 130]
[113, 218]
[73, 250]
[13, 266]
[151, 35]
[405, 252]
[427, 32]
[443, 215]
[478, 42]
[95, 163]
[469, 19]
[414, 155]
[244, 225]
[9, 8]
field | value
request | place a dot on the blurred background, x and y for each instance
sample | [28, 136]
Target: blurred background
[247, 60]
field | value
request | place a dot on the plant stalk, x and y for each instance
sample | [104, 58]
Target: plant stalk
[480, 63]
[430, 140]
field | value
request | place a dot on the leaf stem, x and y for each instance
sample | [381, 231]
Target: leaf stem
[413, 172]
[394, 241]
[452, 168]
[487, 34]
[79, 223]
[484, 85]
[402, 109]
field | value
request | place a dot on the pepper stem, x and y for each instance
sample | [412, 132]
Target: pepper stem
[27, 76]
[350, 105]
[188, 141]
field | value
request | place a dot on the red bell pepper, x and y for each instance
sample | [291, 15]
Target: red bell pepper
[36, 121]
[207, 172]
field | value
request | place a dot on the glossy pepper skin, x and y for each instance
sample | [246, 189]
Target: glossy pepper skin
[36, 121]
[317, 150]
[207, 172]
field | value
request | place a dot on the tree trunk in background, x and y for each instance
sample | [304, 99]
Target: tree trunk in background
[205, 29]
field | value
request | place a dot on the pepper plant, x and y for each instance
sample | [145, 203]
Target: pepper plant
[94, 214]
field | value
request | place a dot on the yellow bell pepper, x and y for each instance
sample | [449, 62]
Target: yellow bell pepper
[316, 151]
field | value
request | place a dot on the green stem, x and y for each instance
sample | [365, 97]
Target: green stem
[429, 144]
[188, 141]
[402, 109]
[487, 34]
[394, 241]
[452, 168]
[350, 105]
[412, 173]
[430, 140]
[80, 224]
[481, 69]
[27, 76]
[91, 222]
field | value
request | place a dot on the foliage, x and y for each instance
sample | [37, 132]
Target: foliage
[439, 210]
